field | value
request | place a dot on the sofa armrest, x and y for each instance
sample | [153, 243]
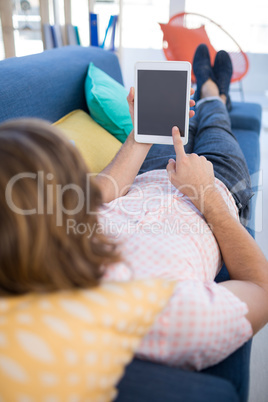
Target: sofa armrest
[148, 382]
[246, 116]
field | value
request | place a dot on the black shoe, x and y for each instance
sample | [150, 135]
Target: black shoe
[202, 69]
[223, 71]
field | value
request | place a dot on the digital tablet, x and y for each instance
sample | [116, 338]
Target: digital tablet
[162, 96]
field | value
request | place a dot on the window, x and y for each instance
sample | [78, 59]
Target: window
[2, 51]
[139, 19]
[27, 27]
[246, 21]
[140, 23]
[80, 18]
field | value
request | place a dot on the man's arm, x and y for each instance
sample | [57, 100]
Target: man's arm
[116, 179]
[246, 264]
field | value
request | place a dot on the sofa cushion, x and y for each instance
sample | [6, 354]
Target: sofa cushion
[107, 103]
[97, 146]
[246, 116]
[248, 141]
[73, 345]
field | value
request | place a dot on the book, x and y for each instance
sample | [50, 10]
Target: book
[93, 29]
[57, 35]
[110, 33]
[77, 34]
[48, 38]
[71, 35]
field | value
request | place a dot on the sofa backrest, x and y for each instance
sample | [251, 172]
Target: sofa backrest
[50, 84]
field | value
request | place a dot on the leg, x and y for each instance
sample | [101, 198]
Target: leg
[215, 141]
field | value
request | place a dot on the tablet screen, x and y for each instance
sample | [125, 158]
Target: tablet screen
[161, 101]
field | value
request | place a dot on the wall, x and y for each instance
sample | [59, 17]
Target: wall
[256, 81]
[176, 6]
[130, 56]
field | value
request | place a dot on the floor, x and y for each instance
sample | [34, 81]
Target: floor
[259, 354]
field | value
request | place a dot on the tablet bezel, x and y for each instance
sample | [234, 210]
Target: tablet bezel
[162, 66]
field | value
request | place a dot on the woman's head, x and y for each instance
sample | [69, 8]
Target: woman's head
[46, 193]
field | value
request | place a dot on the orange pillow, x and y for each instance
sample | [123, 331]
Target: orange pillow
[182, 42]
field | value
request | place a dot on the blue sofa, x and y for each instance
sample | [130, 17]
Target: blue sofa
[50, 85]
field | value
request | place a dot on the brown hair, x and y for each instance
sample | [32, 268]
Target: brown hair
[36, 252]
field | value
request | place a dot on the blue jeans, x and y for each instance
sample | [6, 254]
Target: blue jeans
[210, 135]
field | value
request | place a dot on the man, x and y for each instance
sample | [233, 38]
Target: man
[219, 322]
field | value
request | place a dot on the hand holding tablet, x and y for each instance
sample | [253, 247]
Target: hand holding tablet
[161, 101]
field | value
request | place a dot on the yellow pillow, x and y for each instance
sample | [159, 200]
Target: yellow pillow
[73, 346]
[97, 145]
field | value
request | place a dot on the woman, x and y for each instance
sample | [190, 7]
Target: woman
[36, 252]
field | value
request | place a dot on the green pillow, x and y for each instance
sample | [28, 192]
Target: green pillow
[107, 103]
